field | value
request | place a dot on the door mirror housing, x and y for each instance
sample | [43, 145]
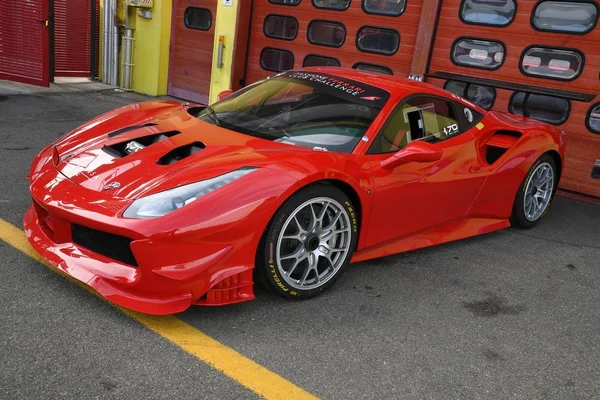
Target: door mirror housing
[415, 151]
[224, 94]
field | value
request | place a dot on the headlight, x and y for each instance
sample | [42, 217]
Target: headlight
[162, 203]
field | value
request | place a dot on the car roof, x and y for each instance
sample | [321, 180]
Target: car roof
[391, 83]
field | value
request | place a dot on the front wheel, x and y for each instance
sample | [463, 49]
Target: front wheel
[535, 194]
[308, 243]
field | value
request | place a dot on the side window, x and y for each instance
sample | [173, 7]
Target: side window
[421, 118]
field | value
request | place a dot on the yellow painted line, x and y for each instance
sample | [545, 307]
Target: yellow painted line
[241, 369]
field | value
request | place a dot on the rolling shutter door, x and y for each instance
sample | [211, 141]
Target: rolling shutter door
[24, 41]
[72, 37]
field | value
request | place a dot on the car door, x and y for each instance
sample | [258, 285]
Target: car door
[420, 195]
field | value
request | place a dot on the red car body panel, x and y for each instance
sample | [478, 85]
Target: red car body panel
[204, 253]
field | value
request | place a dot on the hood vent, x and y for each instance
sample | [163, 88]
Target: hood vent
[130, 128]
[127, 147]
[180, 153]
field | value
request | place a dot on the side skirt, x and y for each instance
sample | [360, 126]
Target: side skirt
[448, 232]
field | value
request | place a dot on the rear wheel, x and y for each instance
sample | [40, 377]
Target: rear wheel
[308, 243]
[535, 194]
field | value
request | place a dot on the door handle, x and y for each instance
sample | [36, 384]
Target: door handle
[43, 21]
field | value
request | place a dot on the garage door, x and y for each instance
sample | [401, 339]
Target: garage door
[369, 34]
[190, 60]
[538, 58]
[24, 41]
[72, 37]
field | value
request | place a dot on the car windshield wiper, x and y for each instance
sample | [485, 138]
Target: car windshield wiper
[212, 115]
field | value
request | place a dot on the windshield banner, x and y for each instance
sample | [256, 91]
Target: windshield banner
[343, 87]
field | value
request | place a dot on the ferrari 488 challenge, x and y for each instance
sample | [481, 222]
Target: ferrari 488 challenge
[163, 204]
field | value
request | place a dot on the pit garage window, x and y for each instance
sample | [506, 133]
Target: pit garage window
[552, 110]
[313, 60]
[478, 53]
[373, 68]
[326, 33]
[563, 64]
[197, 18]
[280, 27]
[276, 59]
[565, 16]
[392, 8]
[371, 39]
[593, 119]
[286, 2]
[486, 12]
[483, 96]
[339, 5]
[426, 118]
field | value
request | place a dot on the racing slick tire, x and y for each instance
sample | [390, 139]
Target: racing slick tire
[535, 193]
[308, 243]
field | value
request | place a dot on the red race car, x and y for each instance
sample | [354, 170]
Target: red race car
[161, 205]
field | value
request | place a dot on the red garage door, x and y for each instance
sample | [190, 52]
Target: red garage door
[538, 58]
[368, 34]
[24, 41]
[72, 37]
[190, 61]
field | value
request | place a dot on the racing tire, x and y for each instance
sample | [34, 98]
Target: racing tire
[308, 243]
[535, 193]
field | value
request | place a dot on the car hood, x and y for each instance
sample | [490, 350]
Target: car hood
[171, 148]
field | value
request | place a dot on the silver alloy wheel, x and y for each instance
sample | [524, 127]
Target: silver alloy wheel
[538, 191]
[314, 243]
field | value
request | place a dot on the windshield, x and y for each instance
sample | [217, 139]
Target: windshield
[321, 111]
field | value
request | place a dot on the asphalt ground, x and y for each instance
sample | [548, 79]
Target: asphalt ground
[509, 315]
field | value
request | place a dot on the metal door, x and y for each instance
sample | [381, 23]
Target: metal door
[25, 41]
[190, 60]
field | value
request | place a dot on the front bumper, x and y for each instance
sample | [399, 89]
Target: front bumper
[174, 269]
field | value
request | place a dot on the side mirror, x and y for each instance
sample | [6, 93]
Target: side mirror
[416, 151]
[223, 94]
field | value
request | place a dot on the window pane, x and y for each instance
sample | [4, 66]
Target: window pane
[286, 2]
[386, 7]
[478, 53]
[373, 68]
[280, 27]
[543, 108]
[313, 60]
[563, 16]
[593, 120]
[456, 87]
[332, 4]
[276, 59]
[483, 96]
[488, 12]
[197, 18]
[326, 33]
[552, 63]
[378, 40]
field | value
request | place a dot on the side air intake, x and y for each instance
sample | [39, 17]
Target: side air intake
[499, 143]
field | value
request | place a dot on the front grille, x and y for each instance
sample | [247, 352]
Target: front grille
[109, 245]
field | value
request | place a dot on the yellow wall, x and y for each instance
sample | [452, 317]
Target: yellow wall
[225, 25]
[151, 49]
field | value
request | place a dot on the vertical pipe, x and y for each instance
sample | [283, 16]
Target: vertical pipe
[110, 54]
[127, 58]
